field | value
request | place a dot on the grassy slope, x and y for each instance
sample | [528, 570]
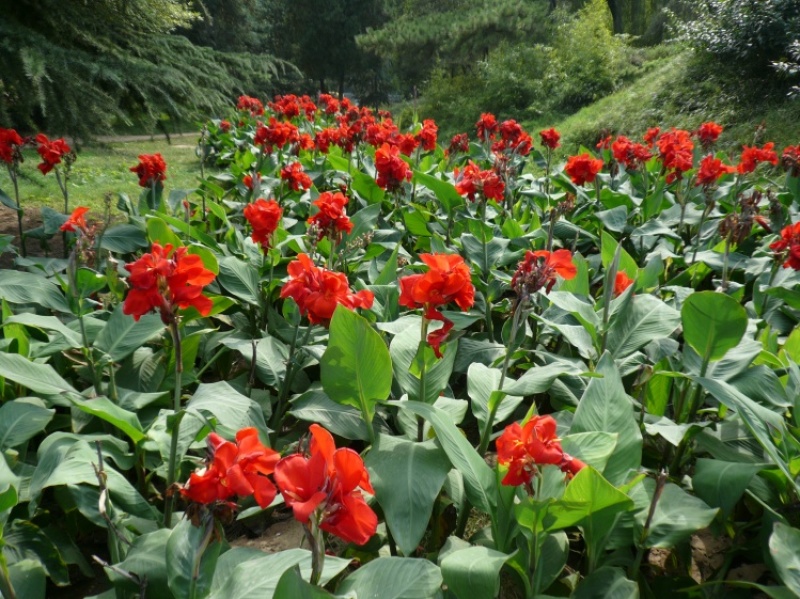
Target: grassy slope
[101, 169]
[676, 92]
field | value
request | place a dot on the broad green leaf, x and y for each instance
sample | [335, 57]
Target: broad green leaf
[39, 378]
[784, 547]
[473, 573]
[28, 578]
[594, 448]
[605, 407]
[24, 540]
[678, 515]
[123, 239]
[145, 558]
[356, 369]
[482, 384]
[21, 419]
[759, 420]
[364, 221]
[721, 484]
[45, 323]
[407, 477]
[341, 420]
[232, 410]
[159, 232]
[444, 190]
[713, 323]
[122, 335]
[608, 251]
[479, 480]
[240, 279]
[394, 578]
[271, 357]
[19, 287]
[190, 560]
[539, 378]
[250, 574]
[646, 319]
[606, 583]
[291, 584]
[104, 409]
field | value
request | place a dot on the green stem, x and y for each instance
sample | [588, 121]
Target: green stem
[176, 407]
[487, 430]
[423, 341]
[283, 394]
[772, 274]
[314, 536]
[13, 174]
[725, 258]
[485, 273]
[661, 481]
[6, 588]
[65, 193]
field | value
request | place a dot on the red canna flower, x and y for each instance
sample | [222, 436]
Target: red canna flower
[392, 170]
[472, 180]
[327, 486]
[676, 153]
[239, 468]
[380, 133]
[248, 182]
[167, 279]
[317, 291]
[308, 107]
[630, 154]
[550, 138]
[276, 134]
[427, 135]
[486, 126]
[151, 169]
[10, 144]
[406, 142]
[789, 246]
[459, 143]
[265, 218]
[651, 136]
[225, 126]
[621, 282]
[751, 156]
[51, 152]
[522, 448]
[604, 143]
[76, 222]
[711, 169]
[447, 280]
[583, 168]
[791, 160]
[251, 105]
[331, 220]
[538, 270]
[296, 176]
[324, 138]
[708, 133]
[514, 138]
[329, 104]
[286, 106]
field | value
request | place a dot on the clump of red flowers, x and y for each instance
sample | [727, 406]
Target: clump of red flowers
[326, 486]
[165, 280]
[152, 169]
[711, 169]
[513, 138]
[265, 218]
[752, 155]
[317, 291]
[538, 270]
[296, 176]
[51, 152]
[235, 469]
[789, 246]
[459, 143]
[583, 168]
[676, 153]
[427, 135]
[473, 181]
[651, 136]
[550, 138]
[10, 144]
[621, 282]
[248, 180]
[331, 220]
[486, 126]
[447, 280]
[791, 160]
[630, 154]
[251, 105]
[276, 134]
[523, 448]
[392, 170]
[76, 222]
[708, 133]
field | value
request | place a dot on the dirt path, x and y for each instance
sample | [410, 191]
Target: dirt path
[113, 139]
